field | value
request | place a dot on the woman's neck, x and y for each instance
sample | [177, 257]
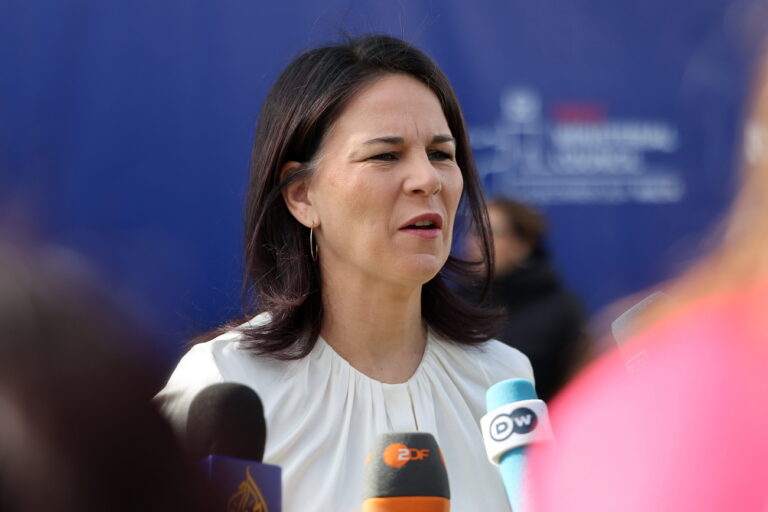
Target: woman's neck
[378, 329]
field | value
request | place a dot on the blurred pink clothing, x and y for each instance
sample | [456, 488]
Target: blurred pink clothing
[689, 432]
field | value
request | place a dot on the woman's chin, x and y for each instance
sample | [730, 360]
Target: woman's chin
[420, 268]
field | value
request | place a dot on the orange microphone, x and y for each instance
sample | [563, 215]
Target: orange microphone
[405, 471]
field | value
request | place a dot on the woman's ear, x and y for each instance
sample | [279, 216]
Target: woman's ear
[296, 196]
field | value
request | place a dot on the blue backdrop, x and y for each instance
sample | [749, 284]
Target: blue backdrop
[125, 127]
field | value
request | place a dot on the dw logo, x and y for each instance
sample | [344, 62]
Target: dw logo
[521, 421]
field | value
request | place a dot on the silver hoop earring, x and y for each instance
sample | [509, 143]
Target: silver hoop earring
[312, 245]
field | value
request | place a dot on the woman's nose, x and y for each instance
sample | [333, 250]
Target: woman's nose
[423, 178]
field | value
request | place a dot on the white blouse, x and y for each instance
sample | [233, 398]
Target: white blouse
[323, 415]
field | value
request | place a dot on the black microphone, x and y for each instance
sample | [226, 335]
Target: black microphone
[226, 429]
[405, 471]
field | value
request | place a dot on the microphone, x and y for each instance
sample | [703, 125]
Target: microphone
[516, 418]
[623, 328]
[405, 471]
[227, 431]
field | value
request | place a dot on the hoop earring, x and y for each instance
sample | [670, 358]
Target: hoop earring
[312, 245]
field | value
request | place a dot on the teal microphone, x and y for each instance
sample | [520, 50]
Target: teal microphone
[515, 419]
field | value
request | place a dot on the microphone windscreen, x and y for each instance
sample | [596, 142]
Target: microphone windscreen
[405, 464]
[226, 419]
[509, 391]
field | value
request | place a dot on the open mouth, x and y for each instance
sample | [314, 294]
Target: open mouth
[425, 222]
[422, 224]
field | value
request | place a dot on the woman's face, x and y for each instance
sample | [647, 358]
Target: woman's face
[386, 188]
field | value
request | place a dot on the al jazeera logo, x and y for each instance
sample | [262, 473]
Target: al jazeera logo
[248, 497]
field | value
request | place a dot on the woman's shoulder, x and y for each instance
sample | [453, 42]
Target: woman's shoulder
[505, 362]
[495, 360]
[222, 359]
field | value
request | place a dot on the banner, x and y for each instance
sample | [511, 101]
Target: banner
[125, 127]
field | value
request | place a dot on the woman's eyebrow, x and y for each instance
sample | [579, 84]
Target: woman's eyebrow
[440, 139]
[386, 140]
[437, 139]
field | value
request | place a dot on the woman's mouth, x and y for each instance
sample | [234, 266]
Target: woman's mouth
[427, 225]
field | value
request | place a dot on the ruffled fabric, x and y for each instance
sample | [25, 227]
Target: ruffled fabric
[323, 415]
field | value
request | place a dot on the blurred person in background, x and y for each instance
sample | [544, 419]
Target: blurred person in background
[543, 319]
[687, 430]
[77, 430]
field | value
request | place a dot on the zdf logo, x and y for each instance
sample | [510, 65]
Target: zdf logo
[521, 421]
[398, 455]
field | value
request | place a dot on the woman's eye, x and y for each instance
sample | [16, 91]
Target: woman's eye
[387, 157]
[440, 155]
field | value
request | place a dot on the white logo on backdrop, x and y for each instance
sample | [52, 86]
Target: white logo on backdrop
[580, 155]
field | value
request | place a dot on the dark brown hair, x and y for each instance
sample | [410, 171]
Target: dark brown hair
[280, 276]
[524, 222]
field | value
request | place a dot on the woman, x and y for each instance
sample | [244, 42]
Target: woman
[360, 162]
[687, 429]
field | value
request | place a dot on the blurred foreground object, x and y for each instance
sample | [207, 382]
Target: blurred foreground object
[688, 431]
[77, 430]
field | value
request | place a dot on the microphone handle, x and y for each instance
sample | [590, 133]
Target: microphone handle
[512, 469]
[407, 504]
